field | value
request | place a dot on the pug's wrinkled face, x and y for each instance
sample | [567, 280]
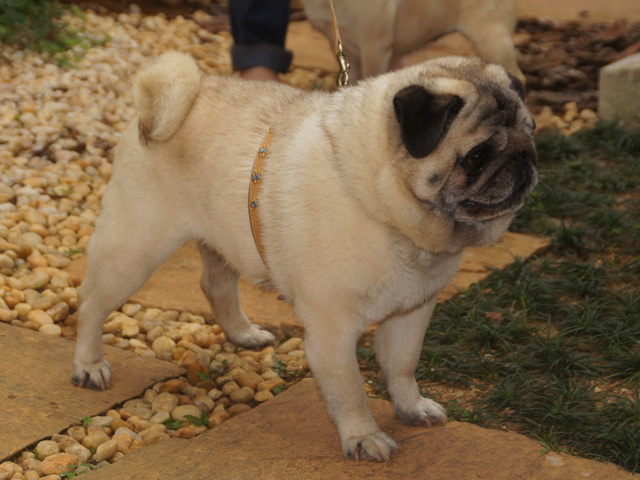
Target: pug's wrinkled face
[491, 179]
[471, 149]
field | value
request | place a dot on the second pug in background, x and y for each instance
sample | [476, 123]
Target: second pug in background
[376, 34]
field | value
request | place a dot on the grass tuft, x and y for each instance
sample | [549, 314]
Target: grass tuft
[42, 25]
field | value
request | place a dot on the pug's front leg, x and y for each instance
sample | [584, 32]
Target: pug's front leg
[398, 345]
[331, 351]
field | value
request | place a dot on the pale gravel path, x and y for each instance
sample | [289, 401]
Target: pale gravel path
[58, 128]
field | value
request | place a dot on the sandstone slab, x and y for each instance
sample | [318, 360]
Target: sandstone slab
[37, 398]
[618, 89]
[291, 437]
[176, 285]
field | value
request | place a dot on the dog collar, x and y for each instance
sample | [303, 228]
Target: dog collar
[254, 191]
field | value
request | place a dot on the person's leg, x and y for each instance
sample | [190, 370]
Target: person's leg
[259, 29]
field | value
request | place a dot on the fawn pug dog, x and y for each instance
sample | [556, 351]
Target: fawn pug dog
[368, 197]
[376, 34]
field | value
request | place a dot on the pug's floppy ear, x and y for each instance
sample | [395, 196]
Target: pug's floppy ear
[424, 118]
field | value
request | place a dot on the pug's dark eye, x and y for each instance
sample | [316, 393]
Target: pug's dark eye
[477, 158]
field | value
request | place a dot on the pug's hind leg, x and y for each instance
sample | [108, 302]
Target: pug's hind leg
[219, 283]
[120, 261]
[398, 345]
[331, 351]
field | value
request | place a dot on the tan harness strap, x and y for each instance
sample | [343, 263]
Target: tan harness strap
[263, 151]
[254, 191]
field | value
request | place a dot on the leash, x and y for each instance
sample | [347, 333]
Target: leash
[343, 74]
[258, 164]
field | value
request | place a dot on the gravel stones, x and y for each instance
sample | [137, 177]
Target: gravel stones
[161, 345]
[57, 463]
[290, 345]
[164, 402]
[77, 432]
[94, 439]
[173, 386]
[102, 421]
[39, 317]
[263, 396]
[106, 450]
[242, 395]
[159, 418]
[181, 412]
[80, 451]
[64, 441]
[46, 448]
[238, 409]
[204, 403]
[127, 440]
[7, 469]
[54, 330]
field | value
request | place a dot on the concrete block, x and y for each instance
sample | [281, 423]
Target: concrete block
[619, 91]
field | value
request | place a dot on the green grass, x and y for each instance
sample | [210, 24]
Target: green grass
[553, 344]
[40, 25]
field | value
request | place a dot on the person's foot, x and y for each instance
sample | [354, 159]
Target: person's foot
[262, 74]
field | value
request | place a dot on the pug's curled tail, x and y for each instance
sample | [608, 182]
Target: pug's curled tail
[164, 93]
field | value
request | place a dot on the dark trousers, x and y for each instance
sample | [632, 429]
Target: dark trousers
[259, 28]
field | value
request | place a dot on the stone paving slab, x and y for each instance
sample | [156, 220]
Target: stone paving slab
[176, 285]
[291, 437]
[37, 398]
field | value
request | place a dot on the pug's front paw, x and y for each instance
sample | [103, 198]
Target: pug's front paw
[95, 375]
[425, 412]
[252, 337]
[374, 447]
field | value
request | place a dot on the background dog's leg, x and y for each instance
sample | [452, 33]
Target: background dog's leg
[398, 346]
[331, 350]
[123, 253]
[219, 283]
[376, 49]
[375, 32]
[494, 42]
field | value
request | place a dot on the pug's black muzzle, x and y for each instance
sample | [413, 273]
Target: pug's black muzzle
[501, 190]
